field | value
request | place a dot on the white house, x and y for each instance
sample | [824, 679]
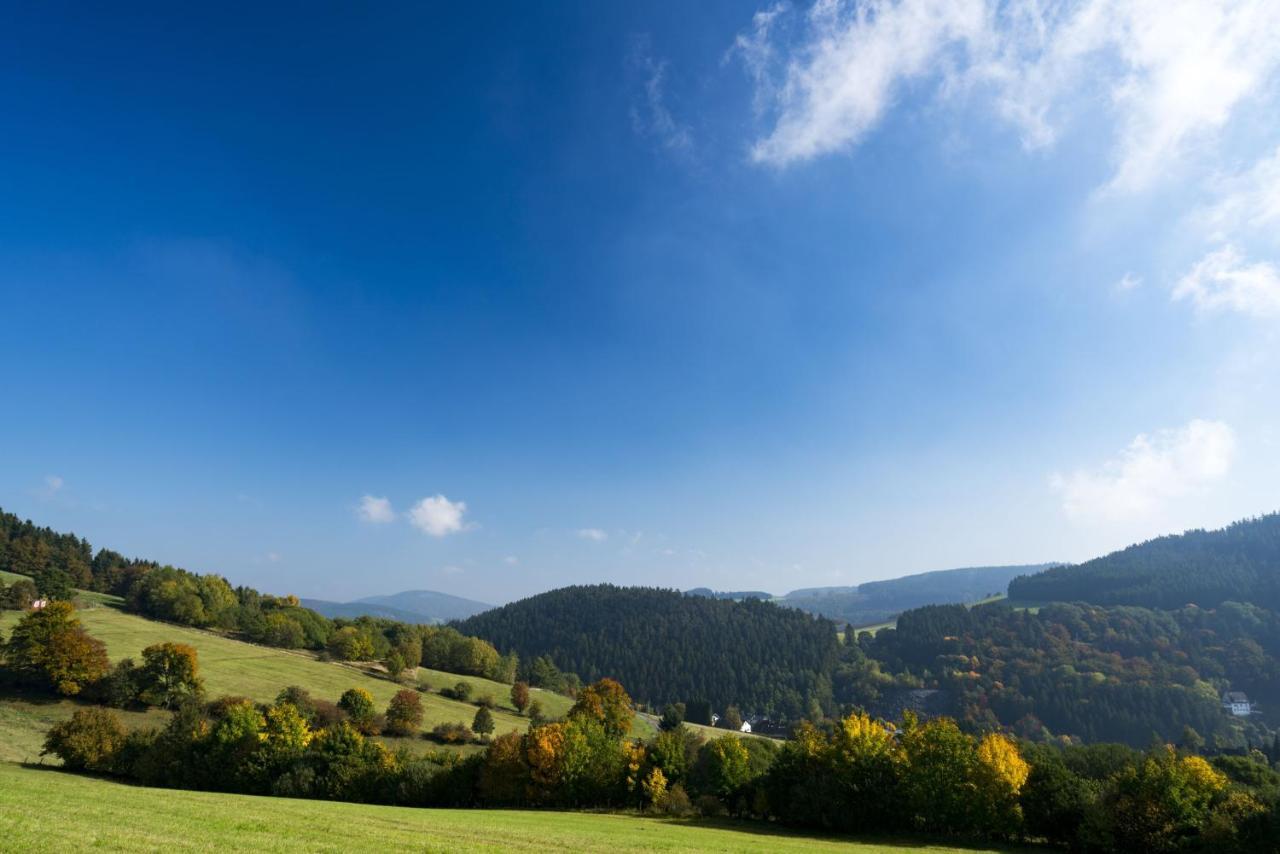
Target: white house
[1237, 703]
[746, 726]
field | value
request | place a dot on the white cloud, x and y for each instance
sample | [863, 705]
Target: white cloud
[594, 534]
[376, 510]
[438, 516]
[1150, 472]
[1129, 282]
[1224, 281]
[651, 116]
[1249, 201]
[1169, 70]
[52, 486]
[511, 560]
[841, 79]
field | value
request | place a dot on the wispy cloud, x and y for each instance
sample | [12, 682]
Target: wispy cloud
[1224, 281]
[595, 535]
[375, 510]
[1129, 282]
[650, 114]
[52, 486]
[437, 516]
[1168, 70]
[1246, 202]
[1150, 472]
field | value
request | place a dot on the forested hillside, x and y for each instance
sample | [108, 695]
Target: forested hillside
[878, 601]
[668, 647]
[1100, 674]
[1238, 563]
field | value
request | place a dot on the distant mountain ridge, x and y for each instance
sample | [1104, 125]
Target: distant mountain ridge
[880, 601]
[1240, 562]
[411, 606]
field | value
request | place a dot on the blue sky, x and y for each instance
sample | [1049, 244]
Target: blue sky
[493, 300]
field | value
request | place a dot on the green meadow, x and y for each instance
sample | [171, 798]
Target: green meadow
[47, 810]
[233, 667]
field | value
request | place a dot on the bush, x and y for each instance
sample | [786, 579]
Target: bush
[88, 741]
[487, 701]
[460, 692]
[457, 733]
[122, 686]
[711, 806]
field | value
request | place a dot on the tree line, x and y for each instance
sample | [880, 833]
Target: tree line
[1205, 568]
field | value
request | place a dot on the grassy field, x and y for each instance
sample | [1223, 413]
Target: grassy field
[42, 810]
[234, 667]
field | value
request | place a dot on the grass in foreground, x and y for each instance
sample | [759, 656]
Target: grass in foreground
[54, 811]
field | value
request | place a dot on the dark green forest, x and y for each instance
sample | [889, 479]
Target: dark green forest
[1238, 563]
[669, 647]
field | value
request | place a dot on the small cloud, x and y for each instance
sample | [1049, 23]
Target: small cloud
[273, 557]
[451, 570]
[595, 535]
[376, 510]
[1224, 281]
[437, 516]
[52, 486]
[651, 116]
[1150, 472]
[1128, 282]
[511, 560]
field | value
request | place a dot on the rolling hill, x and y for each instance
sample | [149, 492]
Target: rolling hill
[1238, 563]
[880, 601]
[234, 667]
[665, 646]
[409, 606]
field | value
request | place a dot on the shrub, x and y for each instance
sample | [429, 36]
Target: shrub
[456, 733]
[487, 701]
[460, 692]
[535, 713]
[88, 741]
[122, 686]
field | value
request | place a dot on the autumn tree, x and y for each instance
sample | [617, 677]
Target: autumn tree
[350, 644]
[520, 696]
[404, 713]
[605, 701]
[50, 647]
[170, 674]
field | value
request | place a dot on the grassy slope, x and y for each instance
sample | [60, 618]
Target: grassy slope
[243, 669]
[47, 810]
